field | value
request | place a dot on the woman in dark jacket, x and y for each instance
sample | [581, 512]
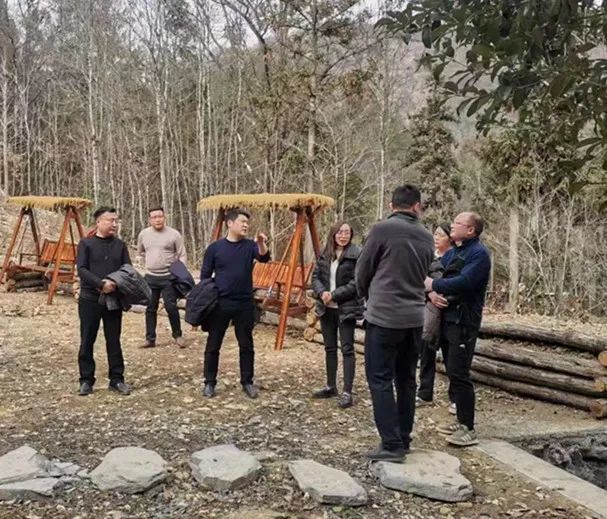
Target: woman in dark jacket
[432, 319]
[338, 308]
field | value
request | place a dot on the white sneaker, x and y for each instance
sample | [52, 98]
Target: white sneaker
[452, 408]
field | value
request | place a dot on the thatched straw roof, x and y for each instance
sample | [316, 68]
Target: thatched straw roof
[49, 202]
[267, 201]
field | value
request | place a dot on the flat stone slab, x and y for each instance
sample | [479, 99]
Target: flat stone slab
[542, 472]
[326, 484]
[31, 489]
[426, 473]
[224, 467]
[23, 464]
[129, 469]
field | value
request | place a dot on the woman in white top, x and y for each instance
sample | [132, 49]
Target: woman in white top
[338, 307]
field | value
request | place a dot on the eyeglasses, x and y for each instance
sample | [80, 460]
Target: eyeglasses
[343, 233]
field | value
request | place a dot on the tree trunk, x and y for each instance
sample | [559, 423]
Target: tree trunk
[572, 365]
[5, 151]
[513, 257]
[526, 332]
[598, 408]
[537, 376]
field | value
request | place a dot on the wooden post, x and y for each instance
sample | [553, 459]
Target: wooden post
[79, 224]
[218, 224]
[284, 311]
[11, 245]
[313, 231]
[58, 255]
[276, 274]
[35, 235]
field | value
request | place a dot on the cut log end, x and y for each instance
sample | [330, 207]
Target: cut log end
[603, 358]
[598, 408]
[309, 334]
[600, 384]
[311, 318]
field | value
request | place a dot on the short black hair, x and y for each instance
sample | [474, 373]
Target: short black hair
[103, 209]
[155, 208]
[235, 212]
[405, 197]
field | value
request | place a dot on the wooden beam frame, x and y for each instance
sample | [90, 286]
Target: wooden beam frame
[296, 253]
[304, 218]
[71, 216]
[9, 251]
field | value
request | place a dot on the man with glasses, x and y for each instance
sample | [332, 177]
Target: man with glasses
[98, 256]
[161, 246]
[461, 295]
[390, 274]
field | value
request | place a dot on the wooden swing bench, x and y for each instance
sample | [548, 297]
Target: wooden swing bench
[55, 259]
[271, 279]
[46, 259]
[279, 285]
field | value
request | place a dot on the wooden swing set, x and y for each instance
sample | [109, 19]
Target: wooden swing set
[55, 260]
[284, 282]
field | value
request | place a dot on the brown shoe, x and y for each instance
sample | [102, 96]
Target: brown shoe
[148, 344]
[180, 341]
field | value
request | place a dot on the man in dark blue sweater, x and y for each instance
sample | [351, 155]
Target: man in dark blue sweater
[461, 295]
[231, 261]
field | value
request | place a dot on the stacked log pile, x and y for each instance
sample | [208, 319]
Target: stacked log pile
[563, 369]
[25, 281]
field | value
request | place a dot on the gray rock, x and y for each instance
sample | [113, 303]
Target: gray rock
[130, 470]
[327, 485]
[138, 309]
[262, 456]
[426, 473]
[30, 489]
[66, 468]
[224, 467]
[22, 464]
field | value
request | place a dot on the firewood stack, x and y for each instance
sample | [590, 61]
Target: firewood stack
[564, 369]
[24, 281]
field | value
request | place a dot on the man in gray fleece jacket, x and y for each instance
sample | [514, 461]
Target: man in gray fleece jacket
[390, 275]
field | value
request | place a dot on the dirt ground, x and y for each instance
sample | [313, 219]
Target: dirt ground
[166, 413]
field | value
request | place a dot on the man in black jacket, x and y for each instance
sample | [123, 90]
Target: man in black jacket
[98, 256]
[390, 274]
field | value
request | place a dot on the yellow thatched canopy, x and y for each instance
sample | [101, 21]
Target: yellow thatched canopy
[49, 202]
[267, 201]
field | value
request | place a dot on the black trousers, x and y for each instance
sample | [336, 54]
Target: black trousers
[241, 313]
[427, 370]
[461, 342]
[91, 314]
[330, 325]
[161, 286]
[391, 360]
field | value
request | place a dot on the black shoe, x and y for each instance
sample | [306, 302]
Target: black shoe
[381, 454]
[345, 401]
[120, 387]
[251, 390]
[208, 390]
[86, 388]
[325, 392]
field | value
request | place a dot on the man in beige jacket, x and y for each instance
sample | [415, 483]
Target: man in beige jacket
[161, 246]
